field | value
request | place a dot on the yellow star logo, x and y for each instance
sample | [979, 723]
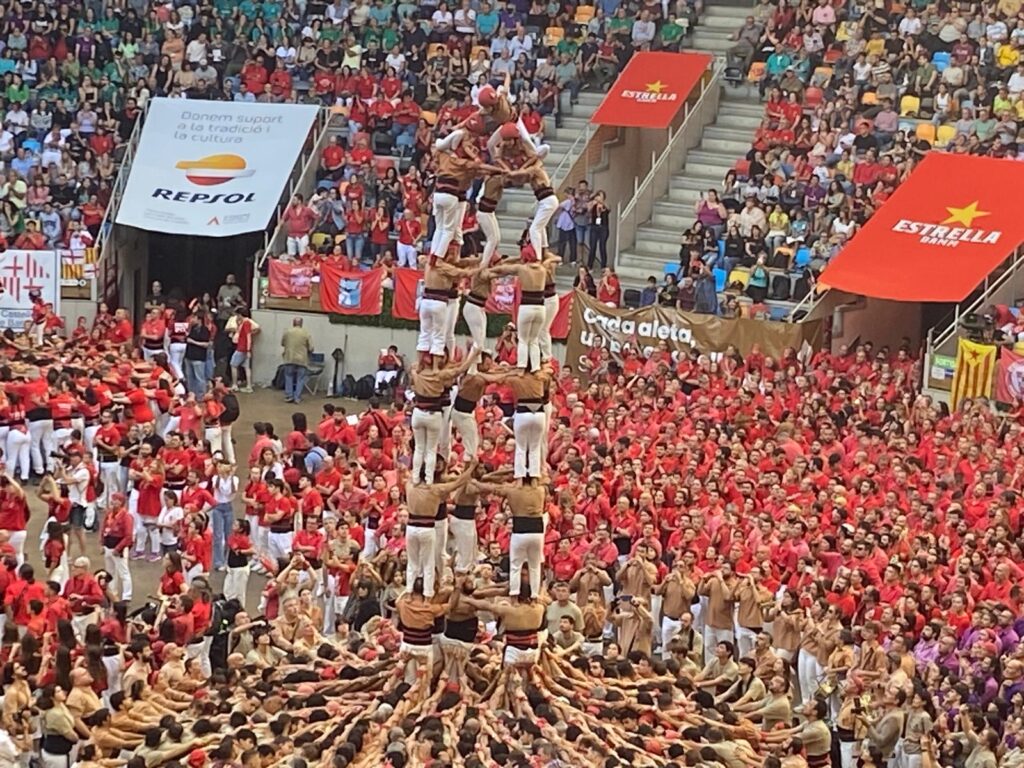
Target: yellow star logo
[965, 215]
[656, 87]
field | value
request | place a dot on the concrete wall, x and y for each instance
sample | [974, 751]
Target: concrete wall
[360, 343]
[880, 321]
[132, 254]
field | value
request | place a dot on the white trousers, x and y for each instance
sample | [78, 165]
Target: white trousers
[492, 234]
[236, 583]
[175, 356]
[808, 670]
[712, 637]
[408, 255]
[446, 222]
[227, 445]
[476, 321]
[17, 453]
[17, 541]
[440, 544]
[426, 430]
[433, 316]
[550, 311]
[460, 216]
[117, 566]
[419, 545]
[529, 432]
[530, 326]
[451, 316]
[89, 435]
[669, 629]
[110, 474]
[41, 433]
[464, 533]
[539, 224]
[279, 545]
[744, 641]
[213, 436]
[525, 548]
[444, 439]
[466, 424]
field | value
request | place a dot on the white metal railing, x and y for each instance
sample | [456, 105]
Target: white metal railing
[807, 303]
[1013, 265]
[662, 165]
[104, 239]
[303, 172]
[579, 145]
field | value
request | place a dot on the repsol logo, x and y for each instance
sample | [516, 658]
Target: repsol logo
[202, 197]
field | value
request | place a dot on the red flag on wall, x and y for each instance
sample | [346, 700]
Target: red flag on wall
[1010, 377]
[560, 325]
[351, 293]
[290, 280]
[408, 288]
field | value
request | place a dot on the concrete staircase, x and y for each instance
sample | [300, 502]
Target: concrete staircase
[724, 141]
[716, 25]
[517, 205]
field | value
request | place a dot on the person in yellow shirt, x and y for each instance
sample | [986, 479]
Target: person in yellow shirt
[1007, 55]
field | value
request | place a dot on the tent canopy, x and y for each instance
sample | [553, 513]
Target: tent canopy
[651, 90]
[941, 233]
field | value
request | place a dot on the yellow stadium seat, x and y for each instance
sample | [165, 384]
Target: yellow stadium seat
[739, 275]
[757, 70]
[821, 75]
[945, 135]
[925, 131]
[430, 117]
[339, 109]
[478, 49]
[319, 239]
[437, 49]
[869, 98]
[584, 14]
[910, 106]
[552, 35]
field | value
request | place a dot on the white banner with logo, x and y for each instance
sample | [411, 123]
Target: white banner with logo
[21, 274]
[213, 168]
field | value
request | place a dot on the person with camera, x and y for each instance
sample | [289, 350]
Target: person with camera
[116, 536]
[70, 469]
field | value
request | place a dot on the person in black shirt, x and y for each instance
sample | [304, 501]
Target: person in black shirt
[196, 344]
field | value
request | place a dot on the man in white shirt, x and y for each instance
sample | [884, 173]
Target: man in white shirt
[465, 19]
[337, 11]
[643, 29]
[75, 475]
[1015, 84]
[196, 50]
[521, 44]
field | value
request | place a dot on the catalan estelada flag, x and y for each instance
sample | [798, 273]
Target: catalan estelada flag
[973, 371]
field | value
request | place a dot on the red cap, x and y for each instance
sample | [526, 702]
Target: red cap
[196, 758]
[488, 96]
[509, 131]
[475, 124]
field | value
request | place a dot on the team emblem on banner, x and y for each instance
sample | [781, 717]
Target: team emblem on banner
[973, 371]
[1010, 377]
[351, 293]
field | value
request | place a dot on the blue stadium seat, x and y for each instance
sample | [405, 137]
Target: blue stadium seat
[802, 257]
[941, 60]
[721, 248]
[7, 65]
[720, 277]
[32, 146]
[671, 268]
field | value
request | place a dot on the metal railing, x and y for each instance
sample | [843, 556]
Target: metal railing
[105, 239]
[655, 184]
[303, 173]
[579, 146]
[807, 304]
[991, 287]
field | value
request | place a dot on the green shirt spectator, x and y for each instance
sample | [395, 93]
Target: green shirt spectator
[567, 46]
[18, 92]
[671, 32]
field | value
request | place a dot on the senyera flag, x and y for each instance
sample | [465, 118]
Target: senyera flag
[651, 89]
[290, 280]
[973, 371]
[408, 289]
[351, 292]
[942, 232]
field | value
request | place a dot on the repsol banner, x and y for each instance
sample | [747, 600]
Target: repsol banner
[213, 168]
[595, 325]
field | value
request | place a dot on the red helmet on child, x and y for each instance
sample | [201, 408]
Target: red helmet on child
[509, 131]
[475, 124]
[488, 96]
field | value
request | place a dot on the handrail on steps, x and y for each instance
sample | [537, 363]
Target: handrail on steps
[642, 187]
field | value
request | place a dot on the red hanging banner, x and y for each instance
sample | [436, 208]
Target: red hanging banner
[351, 293]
